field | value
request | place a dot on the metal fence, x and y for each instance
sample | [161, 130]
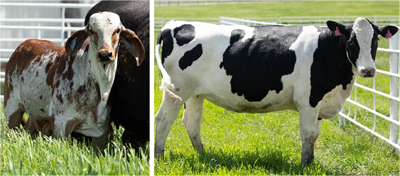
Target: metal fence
[201, 2]
[59, 27]
[299, 20]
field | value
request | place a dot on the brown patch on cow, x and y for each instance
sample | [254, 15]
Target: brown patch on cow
[22, 107]
[115, 37]
[81, 89]
[71, 85]
[59, 97]
[44, 126]
[51, 121]
[57, 84]
[71, 125]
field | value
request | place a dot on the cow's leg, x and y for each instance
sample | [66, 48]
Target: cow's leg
[192, 118]
[100, 143]
[309, 131]
[30, 126]
[164, 119]
[14, 120]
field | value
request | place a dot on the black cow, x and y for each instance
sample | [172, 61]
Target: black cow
[262, 69]
[130, 98]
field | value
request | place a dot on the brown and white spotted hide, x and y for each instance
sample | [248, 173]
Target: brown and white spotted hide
[66, 89]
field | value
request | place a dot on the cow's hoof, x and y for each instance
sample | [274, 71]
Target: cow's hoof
[307, 160]
[159, 154]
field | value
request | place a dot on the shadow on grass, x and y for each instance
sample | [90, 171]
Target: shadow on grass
[248, 162]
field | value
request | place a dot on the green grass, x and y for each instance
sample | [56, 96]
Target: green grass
[279, 9]
[22, 155]
[261, 144]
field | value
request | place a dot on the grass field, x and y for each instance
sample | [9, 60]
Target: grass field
[22, 155]
[261, 144]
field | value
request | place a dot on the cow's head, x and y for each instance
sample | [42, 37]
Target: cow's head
[106, 32]
[362, 43]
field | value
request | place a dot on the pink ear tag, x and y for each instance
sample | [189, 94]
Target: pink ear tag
[388, 35]
[337, 32]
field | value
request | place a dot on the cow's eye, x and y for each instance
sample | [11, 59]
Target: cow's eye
[117, 31]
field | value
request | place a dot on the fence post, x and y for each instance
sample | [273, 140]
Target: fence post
[393, 91]
[62, 26]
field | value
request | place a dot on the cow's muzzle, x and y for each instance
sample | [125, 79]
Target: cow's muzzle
[105, 56]
[367, 72]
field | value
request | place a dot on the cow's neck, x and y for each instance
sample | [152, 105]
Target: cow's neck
[333, 50]
[104, 74]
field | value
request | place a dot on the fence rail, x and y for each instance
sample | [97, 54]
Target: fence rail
[298, 20]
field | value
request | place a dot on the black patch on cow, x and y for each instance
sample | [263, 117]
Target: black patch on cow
[330, 66]
[258, 63]
[374, 45]
[190, 56]
[184, 34]
[168, 43]
[353, 48]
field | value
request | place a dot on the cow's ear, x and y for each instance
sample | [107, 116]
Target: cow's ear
[133, 45]
[388, 31]
[337, 28]
[75, 41]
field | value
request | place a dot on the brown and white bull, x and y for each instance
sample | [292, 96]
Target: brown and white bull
[66, 89]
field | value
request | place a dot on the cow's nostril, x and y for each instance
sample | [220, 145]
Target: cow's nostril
[105, 56]
[368, 72]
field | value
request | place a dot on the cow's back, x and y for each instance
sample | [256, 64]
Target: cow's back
[26, 73]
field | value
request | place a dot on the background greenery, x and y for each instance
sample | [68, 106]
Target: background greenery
[260, 144]
[20, 154]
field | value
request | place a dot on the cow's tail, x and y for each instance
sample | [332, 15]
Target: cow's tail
[166, 84]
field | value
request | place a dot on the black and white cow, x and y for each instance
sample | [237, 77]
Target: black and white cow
[262, 69]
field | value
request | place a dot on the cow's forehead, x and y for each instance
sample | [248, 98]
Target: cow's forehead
[105, 21]
[363, 28]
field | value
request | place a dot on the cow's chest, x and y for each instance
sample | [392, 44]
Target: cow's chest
[333, 101]
[82, 96]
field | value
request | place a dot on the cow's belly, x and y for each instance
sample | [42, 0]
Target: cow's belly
[233, 102]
